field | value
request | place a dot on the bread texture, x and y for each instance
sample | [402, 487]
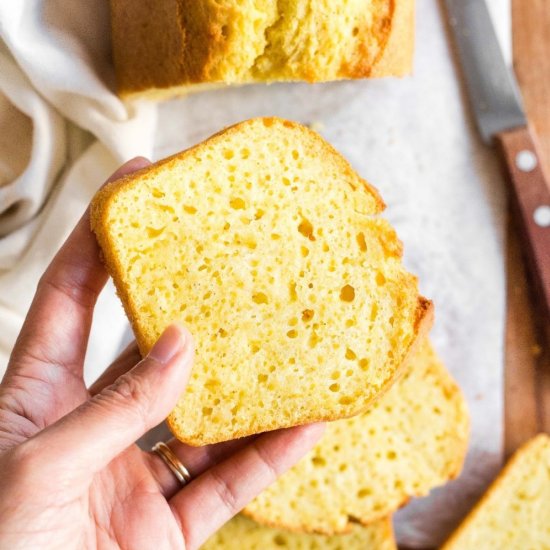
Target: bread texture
[412, 440]
[514, 514]
[269, 247]
[242, 533]
[165, 47]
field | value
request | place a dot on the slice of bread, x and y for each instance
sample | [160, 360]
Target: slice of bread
[514, 514]
[412, 440]
[242, 533]
[268, 246]
[165, 47]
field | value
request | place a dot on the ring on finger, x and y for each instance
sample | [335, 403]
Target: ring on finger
[173, 462]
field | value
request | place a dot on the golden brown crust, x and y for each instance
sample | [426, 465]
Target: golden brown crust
[99, 210]
[147, 44]
[163, 47]
[539, 440]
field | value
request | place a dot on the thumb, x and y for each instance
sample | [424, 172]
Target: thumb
[104, 426]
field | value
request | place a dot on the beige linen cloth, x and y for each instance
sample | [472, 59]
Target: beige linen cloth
[63, 131]
[55, 77]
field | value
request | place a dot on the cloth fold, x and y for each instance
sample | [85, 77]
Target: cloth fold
[55, 71]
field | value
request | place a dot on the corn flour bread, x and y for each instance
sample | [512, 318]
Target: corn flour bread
[164, 47]
[514, 514]
[267, 245]
[412, 440]
[242, 533]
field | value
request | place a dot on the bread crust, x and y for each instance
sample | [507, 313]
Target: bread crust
[98, 220]
[163, 48]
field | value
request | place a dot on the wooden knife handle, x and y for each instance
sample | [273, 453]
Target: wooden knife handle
[530, 196]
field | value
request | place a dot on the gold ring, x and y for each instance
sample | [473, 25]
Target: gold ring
[173, 462]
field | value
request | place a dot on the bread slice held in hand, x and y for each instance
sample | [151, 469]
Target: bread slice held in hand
[269, 247]
[412, 440]
[515, 511]
[242, 533]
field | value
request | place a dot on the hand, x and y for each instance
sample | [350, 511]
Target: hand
[70, 473]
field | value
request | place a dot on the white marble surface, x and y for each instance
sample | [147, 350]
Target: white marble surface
[415, 141]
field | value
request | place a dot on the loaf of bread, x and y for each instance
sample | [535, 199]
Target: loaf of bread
[166, 47]
[269, 247]
[514, 514]
[243, 534]
[412, 440]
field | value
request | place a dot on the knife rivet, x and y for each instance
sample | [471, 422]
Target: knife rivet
[542, 216]
[526, 161]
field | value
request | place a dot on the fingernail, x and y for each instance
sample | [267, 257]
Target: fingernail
[170, 343]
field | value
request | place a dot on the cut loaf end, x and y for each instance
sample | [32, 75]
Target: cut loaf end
[268, 246]
[167, 48]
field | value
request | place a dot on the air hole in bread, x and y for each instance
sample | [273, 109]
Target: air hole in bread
[153, 233]
[306, 229]
[318, 461]
[292, 291]
[237, 203]
[260, 298]
[307, 315]
[313, 339]
[279, 540]
[347, 293]
[361, 242]
[350, 355]
[254, 347]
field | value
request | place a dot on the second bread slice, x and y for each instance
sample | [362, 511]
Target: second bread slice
[267, 244]
[412, 440]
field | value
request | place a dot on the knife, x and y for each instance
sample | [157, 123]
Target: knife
[501, 120]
